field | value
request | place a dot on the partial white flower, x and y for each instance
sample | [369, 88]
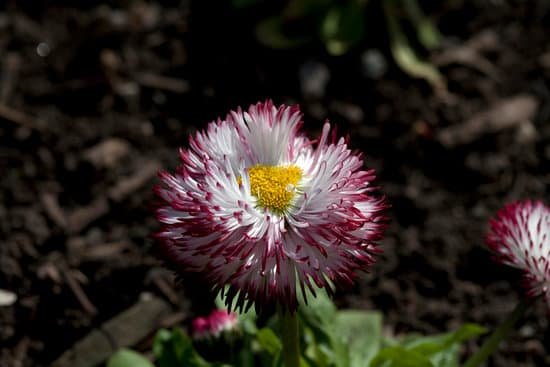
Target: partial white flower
[520, 236]
[214, 325]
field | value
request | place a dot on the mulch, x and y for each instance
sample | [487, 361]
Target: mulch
[95, 99]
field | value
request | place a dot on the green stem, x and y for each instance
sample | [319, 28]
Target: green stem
[290, 337]
[497, 336]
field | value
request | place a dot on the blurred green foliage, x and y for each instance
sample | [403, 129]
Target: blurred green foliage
[342, 25]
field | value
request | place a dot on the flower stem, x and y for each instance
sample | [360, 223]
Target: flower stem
[290, 336]
[497, 336]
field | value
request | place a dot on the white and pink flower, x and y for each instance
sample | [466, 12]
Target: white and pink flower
[259, 207]
[520, 236]
[213, 325]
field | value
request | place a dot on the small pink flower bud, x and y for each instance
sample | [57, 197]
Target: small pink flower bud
[213, 325]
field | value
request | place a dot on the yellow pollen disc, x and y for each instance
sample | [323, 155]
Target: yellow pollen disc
[274, 186]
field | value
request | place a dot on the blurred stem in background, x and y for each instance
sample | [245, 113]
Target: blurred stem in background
[492, 342]
[403, 53]
[426, 32]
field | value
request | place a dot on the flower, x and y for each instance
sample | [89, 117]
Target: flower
[520, 236]
[200, 328]
[260, 208]
[214, 324]
[222, 320]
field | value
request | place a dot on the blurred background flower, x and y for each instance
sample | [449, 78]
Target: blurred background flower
[520, 237]
[214, 325]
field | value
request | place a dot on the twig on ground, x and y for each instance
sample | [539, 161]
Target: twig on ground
[124, 330]
[17, 117]
[82, 217]
[156, 276]
[107, 153]
[52, 208]
[167, 83]
[9, 75]
[506, 113]
[79, 293]
[128, 185]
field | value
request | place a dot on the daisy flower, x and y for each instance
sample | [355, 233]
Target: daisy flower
[261, 210]
[520, 236]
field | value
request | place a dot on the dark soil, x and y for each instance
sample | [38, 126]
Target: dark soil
[95, 99]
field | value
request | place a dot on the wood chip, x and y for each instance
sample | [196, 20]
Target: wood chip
[124, 330]
[104, 251]
[172, 320]
[27, 27]
[507, 113]
[17, 117]
[52, 208]
[107, 153]
[162, 82]
[544, 60]
[49, 271]
[128, 185]
[7, 298]
[82, 217]
[8, 78]
[470, 53]
[165, 286]
[79, 293]
[20, 351]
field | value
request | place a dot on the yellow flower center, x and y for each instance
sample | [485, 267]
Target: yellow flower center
[274, 186]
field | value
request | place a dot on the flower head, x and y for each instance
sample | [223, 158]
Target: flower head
[520, 236]
[260, 208]
[214, 324]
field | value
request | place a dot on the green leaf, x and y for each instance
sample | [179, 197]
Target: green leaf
[400, 357]
[174, 348]
[426, 32]
[322, 346]
[245, 357]
[361, 331]
[128, 358]
[444, 349]
[271, 344]
[269, 341]
[448, 357]
[467, 332]
[441, 350]
[342, 27]
[405, 56]
[270, 32]
[435, 343]
[162, 337]
[319, 349]
[434, 348]
[320, 311]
